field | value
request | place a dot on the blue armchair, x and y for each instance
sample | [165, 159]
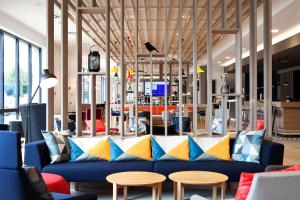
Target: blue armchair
[14, 184]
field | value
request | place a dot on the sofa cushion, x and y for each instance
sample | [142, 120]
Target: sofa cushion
[58, 145]
[95, 171]
[37, 182]
[136, 148]
[247, 146]
[170, 147]
[209, 148]
[89, 149]
[232, 169]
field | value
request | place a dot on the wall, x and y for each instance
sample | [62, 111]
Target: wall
[11, 25]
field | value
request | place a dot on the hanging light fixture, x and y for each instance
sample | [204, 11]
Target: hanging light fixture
[94, 60]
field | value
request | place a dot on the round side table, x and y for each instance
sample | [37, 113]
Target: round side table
[202, 178]
[135, 179]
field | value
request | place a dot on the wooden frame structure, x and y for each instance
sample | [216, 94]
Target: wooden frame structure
[230, 21]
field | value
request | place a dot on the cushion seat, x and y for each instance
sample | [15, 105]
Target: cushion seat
[232, 169]
[56, 183]
[95, 171]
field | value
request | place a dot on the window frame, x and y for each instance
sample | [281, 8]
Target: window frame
[17, 69]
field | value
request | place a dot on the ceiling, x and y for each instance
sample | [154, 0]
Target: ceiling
[151, 25]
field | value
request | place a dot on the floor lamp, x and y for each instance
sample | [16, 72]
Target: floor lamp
[47, 80]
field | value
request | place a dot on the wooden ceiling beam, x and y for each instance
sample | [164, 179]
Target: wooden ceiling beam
[113, 32]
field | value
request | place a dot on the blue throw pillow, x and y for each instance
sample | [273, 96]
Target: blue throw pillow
[247, 146]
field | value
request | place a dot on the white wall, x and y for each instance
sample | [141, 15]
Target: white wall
[11, 25]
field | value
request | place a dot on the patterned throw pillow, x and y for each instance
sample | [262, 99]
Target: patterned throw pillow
[89, 149]
[136, 148]
[37, 183]
[209, 148]
[247, 146]
[58, 146]
[170, 147]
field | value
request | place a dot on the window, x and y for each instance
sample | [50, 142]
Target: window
[10, 90]
[20, 69]
[23, 72]
[35, 73]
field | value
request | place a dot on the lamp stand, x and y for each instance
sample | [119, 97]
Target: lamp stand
[28, 137]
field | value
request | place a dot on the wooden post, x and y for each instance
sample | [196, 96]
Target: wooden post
[180, 66]
[50, 62]
[107, 49]
[64, 64]
[253, 62]
[79, 68]
[123, 68]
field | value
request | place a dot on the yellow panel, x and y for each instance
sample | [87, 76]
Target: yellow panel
[142, 149]
[101, 150]
[221, 149]
[181, 151]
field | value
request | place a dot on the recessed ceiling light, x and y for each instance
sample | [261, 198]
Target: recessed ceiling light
[227, 57]
[219, 62]
[274, 31]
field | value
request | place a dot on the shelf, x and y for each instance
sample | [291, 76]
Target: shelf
[91, 10]
[228, 95]
[91, 73]
[225, 31]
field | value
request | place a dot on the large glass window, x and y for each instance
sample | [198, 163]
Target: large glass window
[10, 90]
[35, 73]
[21, 74]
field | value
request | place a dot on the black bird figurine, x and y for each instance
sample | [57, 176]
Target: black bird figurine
[150, 48]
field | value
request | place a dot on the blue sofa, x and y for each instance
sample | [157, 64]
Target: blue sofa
[37, 154]
[14, 184]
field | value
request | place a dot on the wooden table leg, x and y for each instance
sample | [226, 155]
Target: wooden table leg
[179, 190]
[175, 190]
[159, 191]
[154, 192]
[182, 192]
[115, 191]
[223, 191]
[125, 190]
[214, 192]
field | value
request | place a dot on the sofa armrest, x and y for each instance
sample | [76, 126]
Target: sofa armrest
[271, 168]
[271, 153]
[37, 154]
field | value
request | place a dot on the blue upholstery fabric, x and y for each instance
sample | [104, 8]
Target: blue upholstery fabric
[37, 154]
[10, 150]
[14, 183]
[232, 169]
[85, 196]
[95, 171]
[271, 153]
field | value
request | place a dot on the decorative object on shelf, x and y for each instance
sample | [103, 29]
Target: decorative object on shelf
[199, 70]
[94, 60]
[225, 87]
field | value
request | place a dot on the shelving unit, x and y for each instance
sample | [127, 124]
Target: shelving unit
[80, 10]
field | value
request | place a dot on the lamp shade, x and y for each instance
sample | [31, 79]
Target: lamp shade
[48, 80]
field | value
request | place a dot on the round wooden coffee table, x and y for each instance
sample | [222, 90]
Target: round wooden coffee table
[136, 178]
[181, 179]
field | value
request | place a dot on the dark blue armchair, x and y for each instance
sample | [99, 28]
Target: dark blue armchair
[14, 184]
